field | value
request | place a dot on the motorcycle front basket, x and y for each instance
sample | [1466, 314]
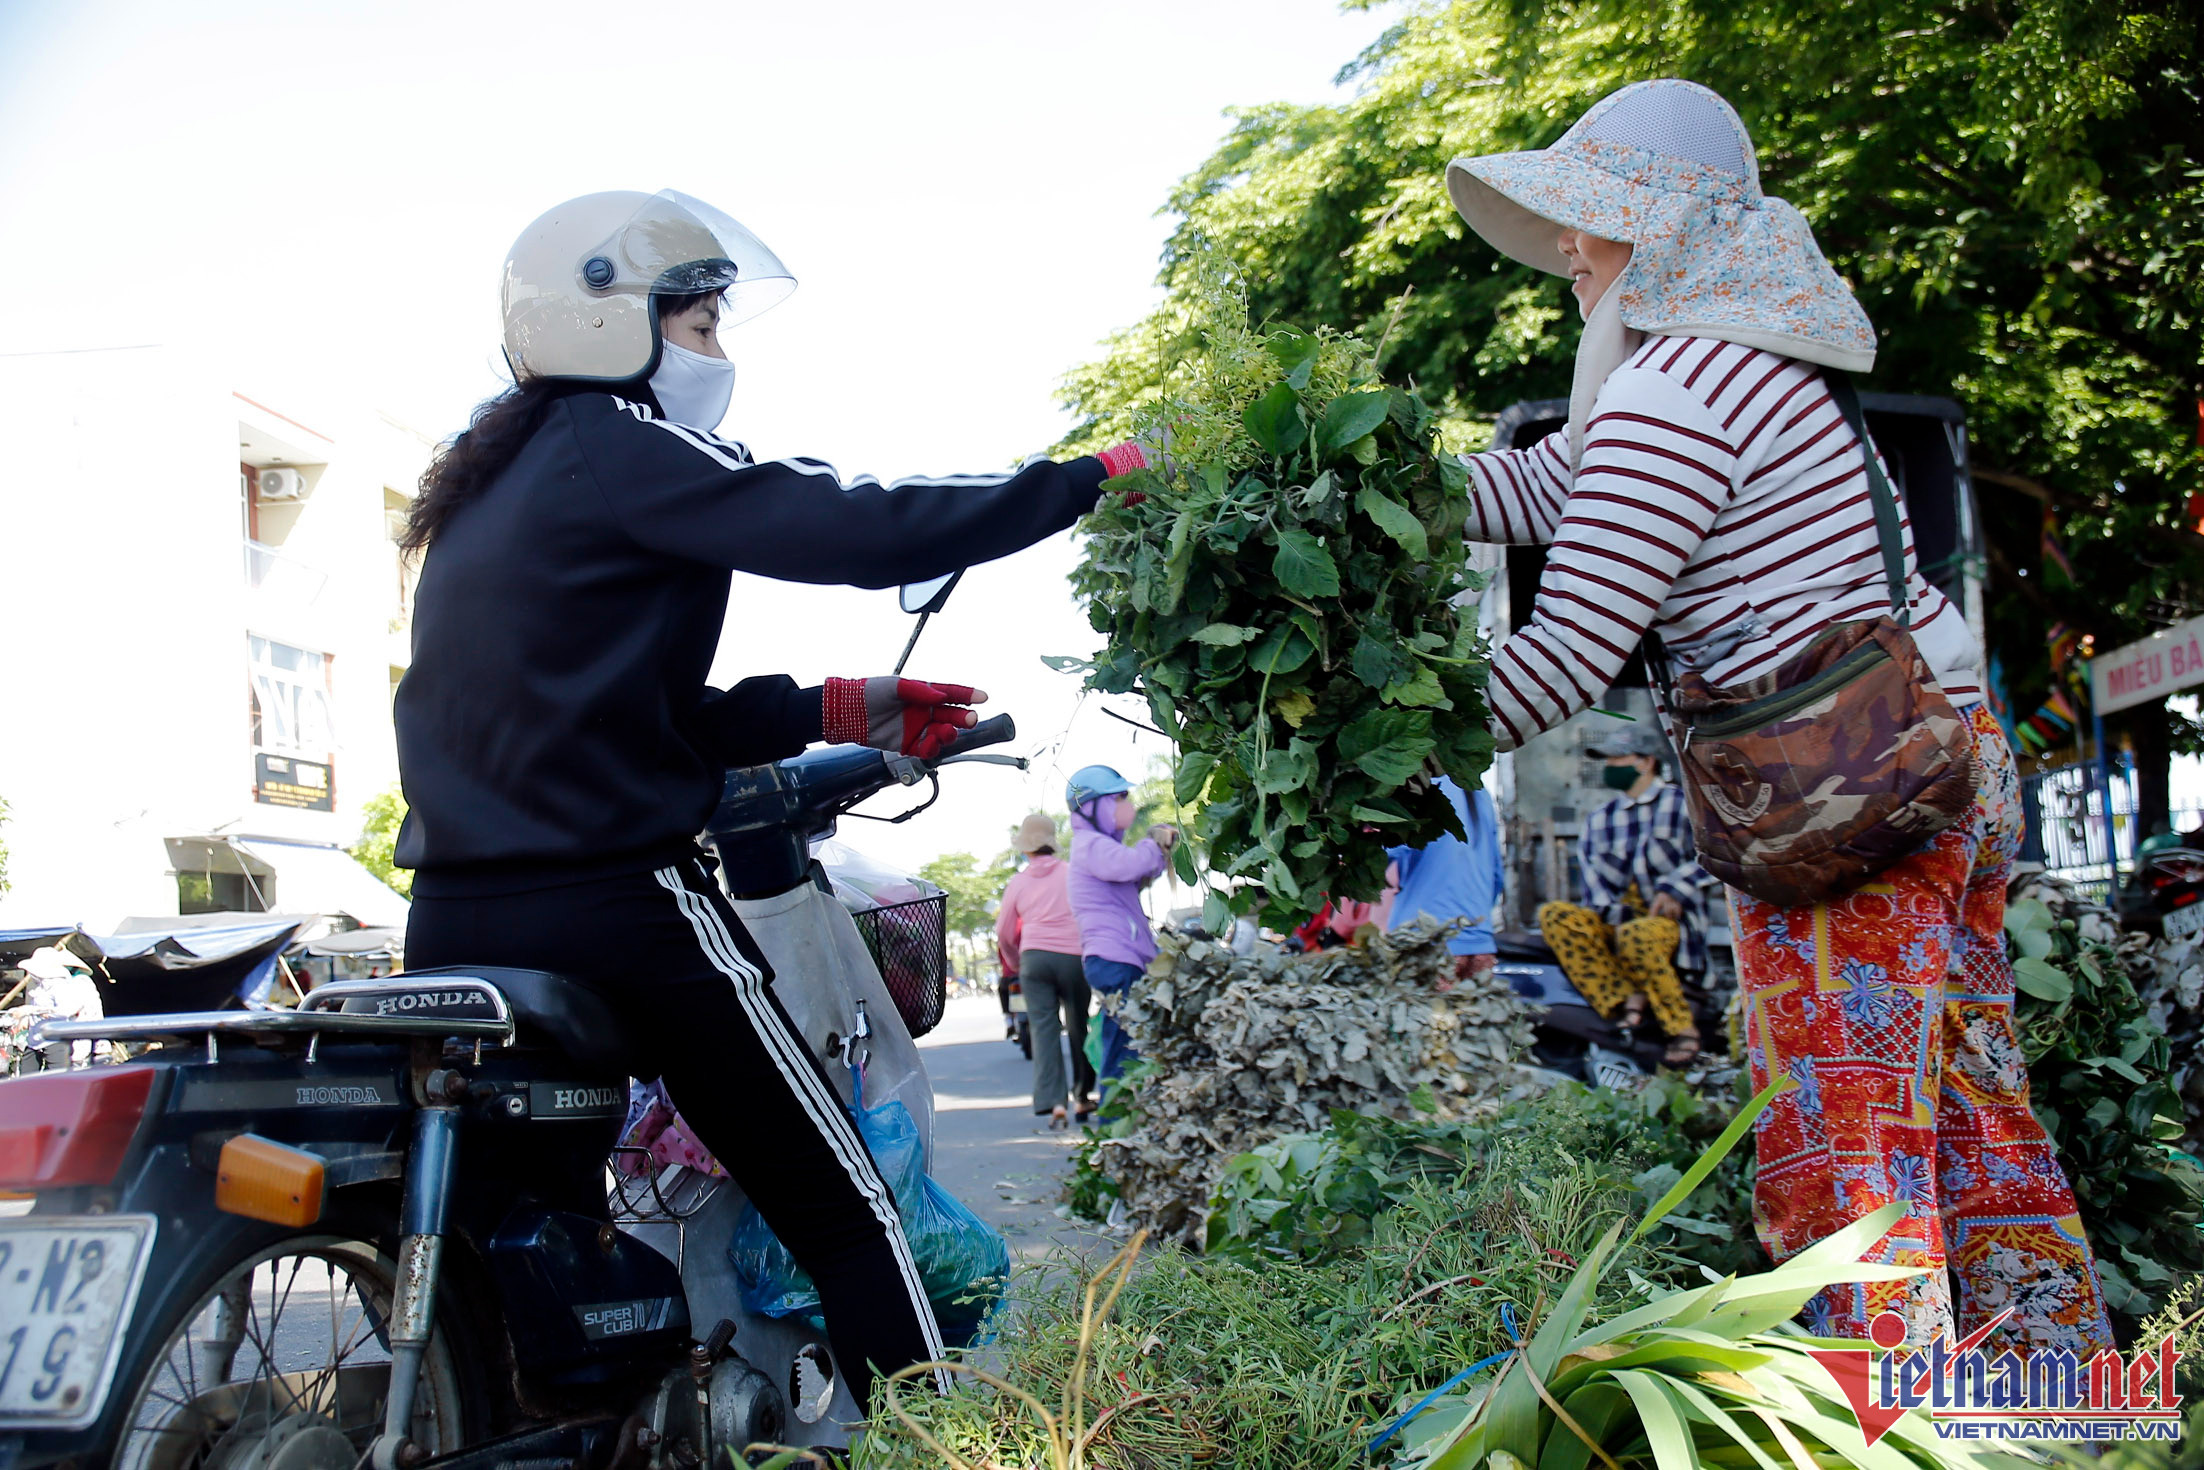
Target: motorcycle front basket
[910, 944]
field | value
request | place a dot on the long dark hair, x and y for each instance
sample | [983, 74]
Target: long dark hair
[499, 428]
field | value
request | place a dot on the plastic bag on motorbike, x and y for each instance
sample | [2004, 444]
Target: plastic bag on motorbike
[963, 1262]
[862, 882]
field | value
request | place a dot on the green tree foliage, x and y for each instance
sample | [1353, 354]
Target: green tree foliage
[2015, 190]
[381, 816]
[974, 893]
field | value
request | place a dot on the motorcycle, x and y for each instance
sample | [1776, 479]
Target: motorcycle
[2164, 896]
[1017, 1024]
[375, 1230]
[1568, 1036]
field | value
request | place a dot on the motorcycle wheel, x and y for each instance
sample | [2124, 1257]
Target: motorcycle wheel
[282, 1359]
[1025, 1037]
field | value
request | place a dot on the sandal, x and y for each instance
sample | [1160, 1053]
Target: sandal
[1057, 1118]
[1683, 1048]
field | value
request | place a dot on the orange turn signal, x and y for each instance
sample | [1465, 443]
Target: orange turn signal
[265, 1180]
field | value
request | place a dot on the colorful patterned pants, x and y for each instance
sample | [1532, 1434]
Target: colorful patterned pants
[1891, 1011]
[1610, 963]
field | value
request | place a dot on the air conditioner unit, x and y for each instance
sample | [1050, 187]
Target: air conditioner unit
[282, 485]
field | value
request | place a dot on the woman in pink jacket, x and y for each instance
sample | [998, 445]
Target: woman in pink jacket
[1039, 942]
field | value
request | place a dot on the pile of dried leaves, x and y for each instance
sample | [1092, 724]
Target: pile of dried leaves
[1240, 1050]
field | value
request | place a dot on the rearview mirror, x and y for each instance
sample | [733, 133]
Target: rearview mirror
[928, 597]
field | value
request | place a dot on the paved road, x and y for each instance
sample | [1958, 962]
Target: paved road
[989, 1149]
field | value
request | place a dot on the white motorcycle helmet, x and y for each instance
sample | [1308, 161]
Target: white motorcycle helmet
[579, 281]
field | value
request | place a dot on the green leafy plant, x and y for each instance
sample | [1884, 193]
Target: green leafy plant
[1310, 1195]
[2097, 1074]
[1713, 1374]
[1283, 597]
[1264, 1365]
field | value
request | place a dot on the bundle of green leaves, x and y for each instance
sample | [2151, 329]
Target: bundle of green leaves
[1284, 597]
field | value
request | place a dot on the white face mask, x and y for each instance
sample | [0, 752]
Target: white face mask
[693, 389]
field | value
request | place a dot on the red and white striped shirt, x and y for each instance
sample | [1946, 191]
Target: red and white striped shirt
[1723, 500]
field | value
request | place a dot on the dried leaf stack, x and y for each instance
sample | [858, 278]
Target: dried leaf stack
[1248, 1048]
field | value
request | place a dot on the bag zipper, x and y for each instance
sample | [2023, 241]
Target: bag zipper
[1776, 706]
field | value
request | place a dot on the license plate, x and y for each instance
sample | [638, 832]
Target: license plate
[1017, 1003]
[2184, 923]
[67, 1283]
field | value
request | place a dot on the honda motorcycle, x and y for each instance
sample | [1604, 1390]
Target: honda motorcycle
[374, 1230]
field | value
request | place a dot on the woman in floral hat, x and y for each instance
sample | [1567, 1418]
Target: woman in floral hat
[1710, 489]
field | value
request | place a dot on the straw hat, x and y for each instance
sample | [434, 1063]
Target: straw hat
[1668, 167]
[1035, 832]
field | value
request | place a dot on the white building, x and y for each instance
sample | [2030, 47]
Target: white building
[205, 620]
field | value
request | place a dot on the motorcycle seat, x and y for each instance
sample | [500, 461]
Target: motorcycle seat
[550, 1010]
[1524, 944]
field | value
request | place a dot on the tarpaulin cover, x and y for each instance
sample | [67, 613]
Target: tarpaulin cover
[311, 878]
[153, 970]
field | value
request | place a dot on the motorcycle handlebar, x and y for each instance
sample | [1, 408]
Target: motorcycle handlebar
[997, 731]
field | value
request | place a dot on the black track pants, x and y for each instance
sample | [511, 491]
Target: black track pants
[667, 952]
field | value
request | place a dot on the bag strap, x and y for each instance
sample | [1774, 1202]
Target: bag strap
[1879, 492]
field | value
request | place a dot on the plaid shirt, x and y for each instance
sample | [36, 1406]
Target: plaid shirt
[1646, 840]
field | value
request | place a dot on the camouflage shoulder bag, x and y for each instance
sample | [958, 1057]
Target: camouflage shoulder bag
[1806, 782]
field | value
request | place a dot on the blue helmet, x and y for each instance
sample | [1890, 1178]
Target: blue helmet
[1089, 782]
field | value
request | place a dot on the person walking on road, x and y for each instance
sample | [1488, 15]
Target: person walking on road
[1038, 940]
[1106, 879]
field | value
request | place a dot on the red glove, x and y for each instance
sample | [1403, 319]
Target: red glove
[1123, 459]
[909, 716]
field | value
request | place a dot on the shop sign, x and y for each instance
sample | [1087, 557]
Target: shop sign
[2162, 664]
[282, 780]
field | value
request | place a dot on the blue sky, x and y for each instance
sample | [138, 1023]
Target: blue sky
[966, 190]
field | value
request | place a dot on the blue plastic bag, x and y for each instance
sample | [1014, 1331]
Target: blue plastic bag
[963, 1262]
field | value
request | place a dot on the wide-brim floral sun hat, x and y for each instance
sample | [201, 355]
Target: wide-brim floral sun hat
[1668, 167]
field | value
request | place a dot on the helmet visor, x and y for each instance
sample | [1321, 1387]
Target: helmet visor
[676, 245]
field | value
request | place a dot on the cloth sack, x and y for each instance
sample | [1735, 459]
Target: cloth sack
[1805, 783]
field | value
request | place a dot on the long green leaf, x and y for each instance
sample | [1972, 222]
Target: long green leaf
[1723, 1420]
[1701, 1302]
[1839, 1248]
[1467, 1451]
[1598, 1408]
[1665, 1429]
[1707, 1162]
[1662, 1309]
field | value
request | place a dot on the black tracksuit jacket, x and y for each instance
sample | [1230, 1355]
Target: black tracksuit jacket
[555, 722]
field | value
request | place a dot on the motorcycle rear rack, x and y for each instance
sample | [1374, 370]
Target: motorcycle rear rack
[320, 1014]
[641, 1198]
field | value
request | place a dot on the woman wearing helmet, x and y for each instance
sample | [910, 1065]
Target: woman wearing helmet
[559, 748]
[1713, 486]
[1106, 878]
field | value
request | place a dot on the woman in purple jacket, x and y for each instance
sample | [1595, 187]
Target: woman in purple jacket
[1106, 879]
